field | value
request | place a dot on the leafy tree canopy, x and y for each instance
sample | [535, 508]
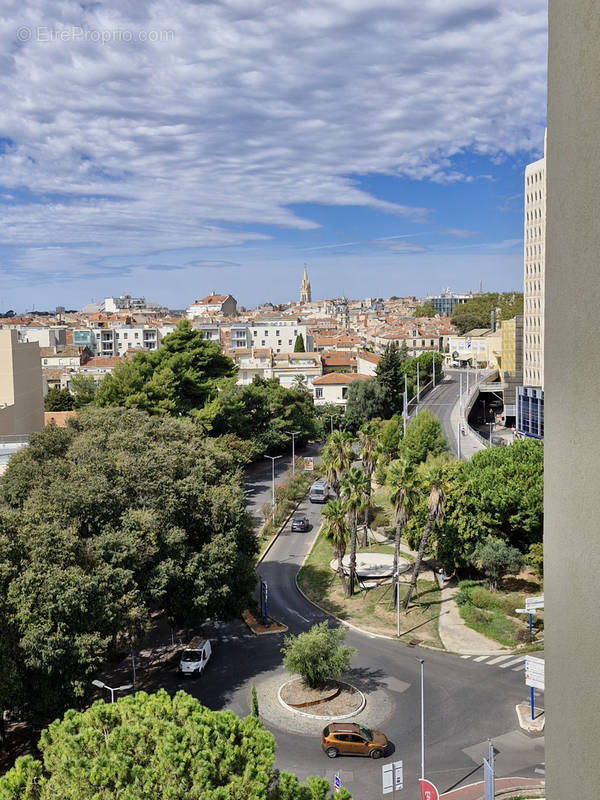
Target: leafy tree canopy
[318, 654]
[155, 746]
[58, 400]
[423, 437]
[476, 312]
[366, 400]
[84, 389]
[495, 558]
[427, 309]
[101, 521]
[182, 375]
[262, 413]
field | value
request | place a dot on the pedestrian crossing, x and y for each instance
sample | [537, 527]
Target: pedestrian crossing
[508, 662]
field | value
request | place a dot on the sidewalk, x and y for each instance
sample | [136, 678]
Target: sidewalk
[525, 787]
[455, 635]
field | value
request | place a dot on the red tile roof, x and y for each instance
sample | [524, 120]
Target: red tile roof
[339, 378]
[60, 418]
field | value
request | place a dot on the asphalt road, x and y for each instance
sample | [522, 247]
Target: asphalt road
[442, 400]
[465, 702]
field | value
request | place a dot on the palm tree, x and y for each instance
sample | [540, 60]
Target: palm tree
[354, 490]
[336, 458]
[367, 439]
[431, 475]
[337, 532]
[404, 493]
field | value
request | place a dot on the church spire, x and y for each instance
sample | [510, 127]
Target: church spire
[305, 291]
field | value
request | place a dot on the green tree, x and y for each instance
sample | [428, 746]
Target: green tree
[495, 558]
[390, 436]
[337, 532]
[299, 344]
[254, 702]
[178, 378]
[431, 475]
[317, 655]
[366, 399]
[117, 514]
[535, 558]
[476, 312]
[427, 309]
[391, 378]
[403, 351]
[423, 436]
[58, 400]
[336, 458]
[403, 496]
[368, 438]
[142, 746]
[355, 491]
[84, 389]
[500, 493]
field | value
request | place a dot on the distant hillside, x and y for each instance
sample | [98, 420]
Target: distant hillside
[476, 313]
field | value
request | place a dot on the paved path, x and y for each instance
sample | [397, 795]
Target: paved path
[455, 635]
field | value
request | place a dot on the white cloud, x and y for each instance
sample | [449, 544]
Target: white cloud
[148, 127]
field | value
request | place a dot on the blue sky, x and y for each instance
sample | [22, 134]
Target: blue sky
[173, 148]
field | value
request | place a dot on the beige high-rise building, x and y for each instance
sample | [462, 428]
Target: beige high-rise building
[534, 272]
[21, 386]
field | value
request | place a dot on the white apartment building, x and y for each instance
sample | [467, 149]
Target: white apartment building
[278, 335]
[333, 387]
[534, 272]
[44, 336]
[289, 367]
[117, 341]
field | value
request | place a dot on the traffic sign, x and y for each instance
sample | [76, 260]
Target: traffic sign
[534, 672]
[428, 790]
[392, 776]
[534, 602]
[309, 463]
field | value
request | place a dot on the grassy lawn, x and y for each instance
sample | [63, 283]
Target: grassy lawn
[494, 613]
[372, 609]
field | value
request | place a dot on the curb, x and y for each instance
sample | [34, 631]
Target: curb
[321, 716]
[282, 526]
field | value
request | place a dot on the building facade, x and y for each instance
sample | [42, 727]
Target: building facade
[534, 270]
[21, 386]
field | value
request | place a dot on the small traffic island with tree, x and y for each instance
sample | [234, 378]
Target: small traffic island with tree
[318, 658]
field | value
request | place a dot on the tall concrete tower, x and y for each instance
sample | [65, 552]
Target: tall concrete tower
[534, 272]
[305, 292]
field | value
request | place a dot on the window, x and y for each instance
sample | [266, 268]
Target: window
[117, 335]
[289, 341]
[277, 333]
[254, 333]
[278, 342]
[136, 335]
[262, 344]
[344, 392]
[125, 336]
[318, 392]
[266, 333]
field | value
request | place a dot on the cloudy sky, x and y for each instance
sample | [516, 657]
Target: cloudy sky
[170, 148]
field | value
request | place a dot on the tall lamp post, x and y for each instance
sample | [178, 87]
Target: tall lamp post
[331, 417]
[422, 662]
[112, 690]
[273, 459]
[293, 434]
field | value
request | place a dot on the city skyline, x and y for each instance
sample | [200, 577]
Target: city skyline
[165, 152]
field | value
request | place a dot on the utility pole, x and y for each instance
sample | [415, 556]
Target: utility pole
[293, 434]
[433, 367]
[460, 399]
[422, 662]
[273, 459]
[458, 435]
[418, 391]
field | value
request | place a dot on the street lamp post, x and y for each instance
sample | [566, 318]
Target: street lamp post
[458, 435]
[293, 434]
[273, 459]
[112, 690]
[331, 418]
[491, 424]
[422, 662]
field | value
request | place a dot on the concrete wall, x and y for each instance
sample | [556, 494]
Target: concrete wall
[572, 388]
[21, 385]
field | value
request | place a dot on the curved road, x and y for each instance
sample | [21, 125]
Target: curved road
[465, 702]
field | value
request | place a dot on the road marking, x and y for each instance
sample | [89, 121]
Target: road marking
[465, 656]
[540, 771]
[519, 668]
[512, 663]
[480, 658]
[499, 659]
[298, 614]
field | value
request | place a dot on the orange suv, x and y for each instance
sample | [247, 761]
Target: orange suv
[350, 739]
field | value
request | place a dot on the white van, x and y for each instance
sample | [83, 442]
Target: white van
[319, 491]
[195, 656]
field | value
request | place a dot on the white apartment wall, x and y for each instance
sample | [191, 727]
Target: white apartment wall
[280, 337]
[534, 271]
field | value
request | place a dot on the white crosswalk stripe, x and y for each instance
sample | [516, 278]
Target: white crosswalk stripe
[481, 658]
[499, 659]
[512, 663]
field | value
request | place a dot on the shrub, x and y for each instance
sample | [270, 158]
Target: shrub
[317, 655]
